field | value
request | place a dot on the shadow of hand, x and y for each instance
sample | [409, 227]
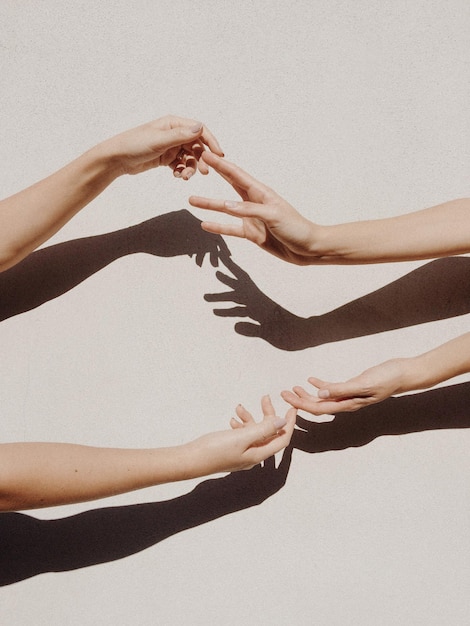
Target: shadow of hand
[31, 546]
[244, 489]
[437, 409]
[177, 233]
[271, 322]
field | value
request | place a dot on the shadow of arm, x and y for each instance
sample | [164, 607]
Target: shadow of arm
[29, 546]
[51, 272]
[438, 290]
[442, 408]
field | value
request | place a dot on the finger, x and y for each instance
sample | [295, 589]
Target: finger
[235, 423]
[227, 280]
[214, 258]
[244, 415]
[317, 406]
[234, 208]
[317, 382]
[219, 297]
[200, 258]
[177, 169]
[267, 407]
[235, 269]
[275, 436]
[271, 426]
[210, 204]
[211, 142]
[232, 173]
[232, 230]
[179, 135]
[284, 465]
[190, 167]
[246, 329]
[178, 164]
[339, 391]
[306, 404]
[301, 392]
[236, 311]
[224, 251]
[269, 464]
[196, 149]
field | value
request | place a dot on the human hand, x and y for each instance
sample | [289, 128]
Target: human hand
[266, 219]
[273, 323]
[174, 141]
[246, 445]
[372, 386]
[174, 234]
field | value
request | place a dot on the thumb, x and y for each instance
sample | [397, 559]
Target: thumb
[337, 391]
[180, 135]
[267, 428]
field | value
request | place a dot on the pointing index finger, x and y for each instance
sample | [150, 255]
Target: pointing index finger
[231, 172]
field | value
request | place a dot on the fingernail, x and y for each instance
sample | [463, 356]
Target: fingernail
[279, 422]
[323, 393]
[231, 205]
[196, 128]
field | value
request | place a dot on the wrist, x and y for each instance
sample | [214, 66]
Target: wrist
[417, 373]
[321, 248]
[107, 159]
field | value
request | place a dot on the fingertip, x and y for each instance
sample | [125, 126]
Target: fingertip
[323, 394]
[196, 129]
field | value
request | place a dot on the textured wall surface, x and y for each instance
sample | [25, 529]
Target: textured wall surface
[350, 110]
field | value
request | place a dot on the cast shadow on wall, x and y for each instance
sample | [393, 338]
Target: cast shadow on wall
[435, 291]
[52, 271]
[30, 546]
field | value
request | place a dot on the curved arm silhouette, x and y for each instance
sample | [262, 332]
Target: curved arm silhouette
[30, 546]
[52, 271]
[437, 290]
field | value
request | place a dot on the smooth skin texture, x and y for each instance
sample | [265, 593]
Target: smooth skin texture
[34, 475]
[269, 221]
[47, 474]
[33, 215]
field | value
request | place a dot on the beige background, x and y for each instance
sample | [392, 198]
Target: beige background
[350, 110]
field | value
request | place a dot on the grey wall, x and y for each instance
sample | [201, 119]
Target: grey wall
[350, 110]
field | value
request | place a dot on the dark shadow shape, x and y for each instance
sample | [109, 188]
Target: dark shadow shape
[52, 271]
[30, 546]
[438, 290]
[437, 409]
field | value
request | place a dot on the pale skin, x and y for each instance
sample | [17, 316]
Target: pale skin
[273, 224]
[47, 474]
[34, 475]
[33, 215]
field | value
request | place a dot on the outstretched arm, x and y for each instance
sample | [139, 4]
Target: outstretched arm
[384, 380]
[34, 475]
[30, 217]
[273, 224]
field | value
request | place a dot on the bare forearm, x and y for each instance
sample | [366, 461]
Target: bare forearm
[440, 364]
[36, 475]
[31, 216]
[442, 230]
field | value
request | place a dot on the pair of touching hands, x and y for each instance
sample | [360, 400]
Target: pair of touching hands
[184, 145]
[273, 224]
[266, 219]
